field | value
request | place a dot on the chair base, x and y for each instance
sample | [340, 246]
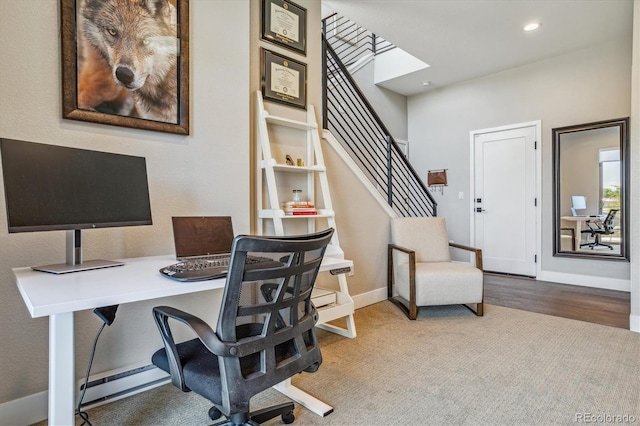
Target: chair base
[596, 243]
[412, 314]
[258, 417]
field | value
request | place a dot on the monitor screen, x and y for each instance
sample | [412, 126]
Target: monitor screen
[578, 202]
[49, 187]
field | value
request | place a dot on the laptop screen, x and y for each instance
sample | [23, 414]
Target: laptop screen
[202, 235]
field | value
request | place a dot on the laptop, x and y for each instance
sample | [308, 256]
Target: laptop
[197, 237]
[203, 249]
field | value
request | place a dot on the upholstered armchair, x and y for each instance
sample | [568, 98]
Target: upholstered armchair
[420, 271]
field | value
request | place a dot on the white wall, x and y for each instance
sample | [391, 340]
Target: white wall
[391, 107]
[205, 173]
[570, 89]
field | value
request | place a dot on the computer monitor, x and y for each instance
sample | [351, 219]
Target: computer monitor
[50, 187]
[578, 202]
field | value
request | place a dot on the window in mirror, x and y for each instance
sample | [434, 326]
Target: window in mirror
[610, 188]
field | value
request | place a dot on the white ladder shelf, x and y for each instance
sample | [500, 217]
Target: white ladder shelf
[273, 178]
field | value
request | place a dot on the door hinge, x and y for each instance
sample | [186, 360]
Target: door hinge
[535, 202]
[535, 144]
[535, 258]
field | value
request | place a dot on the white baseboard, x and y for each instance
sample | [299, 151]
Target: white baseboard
[585, 280]
[369, 298]
[34, 408]
[634, 323]
[25, 411]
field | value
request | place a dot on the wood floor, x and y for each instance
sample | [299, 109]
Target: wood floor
[606, 307]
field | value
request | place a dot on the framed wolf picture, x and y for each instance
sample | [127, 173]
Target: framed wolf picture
[126, 63]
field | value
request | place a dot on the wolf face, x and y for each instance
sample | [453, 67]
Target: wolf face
[138, 40]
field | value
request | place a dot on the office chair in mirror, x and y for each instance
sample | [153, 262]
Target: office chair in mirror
[264, 335]
[597, 228]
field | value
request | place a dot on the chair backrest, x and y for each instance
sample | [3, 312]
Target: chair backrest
[608, 221]
[269, 313]
[426, 235]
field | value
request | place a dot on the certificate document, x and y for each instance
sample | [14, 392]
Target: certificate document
[284, 23]
[285, 80]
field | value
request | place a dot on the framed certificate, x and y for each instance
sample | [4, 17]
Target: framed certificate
[284, 80]
[285, 23]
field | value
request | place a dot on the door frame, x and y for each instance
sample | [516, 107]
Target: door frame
[538, 180]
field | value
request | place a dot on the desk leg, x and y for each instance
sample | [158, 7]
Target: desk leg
[61, 370]
[303, 398]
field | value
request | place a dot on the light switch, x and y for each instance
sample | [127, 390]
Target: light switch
[460, 195]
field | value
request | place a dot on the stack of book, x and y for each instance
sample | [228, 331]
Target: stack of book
[295, 208]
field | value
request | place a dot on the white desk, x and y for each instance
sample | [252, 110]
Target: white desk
[59, 296]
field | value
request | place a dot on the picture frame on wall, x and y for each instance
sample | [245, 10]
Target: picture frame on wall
[285, 24]
[115, 76]
[284, 80]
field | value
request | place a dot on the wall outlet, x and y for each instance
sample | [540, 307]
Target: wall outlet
[460, 195]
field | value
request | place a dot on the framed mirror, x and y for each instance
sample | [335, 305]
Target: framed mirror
[590, 182]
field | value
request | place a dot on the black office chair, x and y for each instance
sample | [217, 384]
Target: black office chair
[259, 341]
[596, 228]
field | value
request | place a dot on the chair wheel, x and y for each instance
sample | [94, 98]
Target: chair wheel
[288, 418]
[214, 413]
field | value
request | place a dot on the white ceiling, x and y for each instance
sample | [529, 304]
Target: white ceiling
[466, 39]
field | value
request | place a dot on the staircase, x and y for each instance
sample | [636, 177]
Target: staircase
[349, 116]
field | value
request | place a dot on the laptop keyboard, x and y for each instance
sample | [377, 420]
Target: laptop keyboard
[209, 267]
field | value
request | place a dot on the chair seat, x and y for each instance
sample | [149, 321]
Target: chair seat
[441, 283]
[201, 370]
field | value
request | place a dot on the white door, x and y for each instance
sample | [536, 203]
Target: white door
[504, 203]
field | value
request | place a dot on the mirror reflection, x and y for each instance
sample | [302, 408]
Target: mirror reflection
[589, 184]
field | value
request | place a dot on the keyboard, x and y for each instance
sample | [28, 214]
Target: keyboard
[211, 267]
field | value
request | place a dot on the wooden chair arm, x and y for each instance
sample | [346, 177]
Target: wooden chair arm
[412, 267]
[477, 251]
[402, 249]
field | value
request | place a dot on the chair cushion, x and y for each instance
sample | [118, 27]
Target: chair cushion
[201, 371]
[441, 283]
[427, 236]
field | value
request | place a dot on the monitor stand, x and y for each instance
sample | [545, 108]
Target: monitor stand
[74, 258]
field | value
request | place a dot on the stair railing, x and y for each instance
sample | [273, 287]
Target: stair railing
[350, 117]
[352, 42]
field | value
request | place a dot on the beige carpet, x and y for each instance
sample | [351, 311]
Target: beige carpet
[509, 367]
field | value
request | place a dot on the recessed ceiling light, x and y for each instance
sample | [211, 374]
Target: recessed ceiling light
[426, 83]
[532, 26]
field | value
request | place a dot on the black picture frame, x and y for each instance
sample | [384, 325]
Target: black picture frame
[90, 91]
[285, 23]
[284, 80]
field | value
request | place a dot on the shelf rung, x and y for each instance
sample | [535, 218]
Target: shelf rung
[302, 125]
[298, 169]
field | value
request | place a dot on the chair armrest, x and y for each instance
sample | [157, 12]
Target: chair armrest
[205, 333]
[412, 265]
[402, 249]
[207, 336]
[477, 251]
